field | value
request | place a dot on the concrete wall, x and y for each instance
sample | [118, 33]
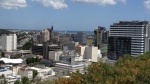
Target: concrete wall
[45, 35]
[54, 55]
[25, 73]
[9, 42]
[94, 54]
[80, 50]
[14, 41]
[91, 52]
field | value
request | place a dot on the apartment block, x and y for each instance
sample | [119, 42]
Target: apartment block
[9, 42]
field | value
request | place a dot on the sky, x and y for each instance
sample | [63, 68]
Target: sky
[76, 15]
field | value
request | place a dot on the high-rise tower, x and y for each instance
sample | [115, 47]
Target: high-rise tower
[138, 31]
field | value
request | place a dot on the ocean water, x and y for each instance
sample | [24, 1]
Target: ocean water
[75, 32]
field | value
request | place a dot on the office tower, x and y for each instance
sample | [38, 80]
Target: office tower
[51, 33]
[9, 42]
[48, 39]
[73, 37]
[81, 37]
[100, 36]
[47, 34]
[89, 40]
[45, 50]
[118, 46]
[45, 38]
[139, 31]
[106, 35]
[39, 39]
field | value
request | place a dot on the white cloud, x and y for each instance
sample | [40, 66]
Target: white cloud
[100, 2]
[122, 1]
[13, 4]
[147, 4]
[55, 4]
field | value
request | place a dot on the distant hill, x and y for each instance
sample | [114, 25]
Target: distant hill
[3, 31]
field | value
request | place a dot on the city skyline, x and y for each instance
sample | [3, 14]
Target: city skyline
[70, 14]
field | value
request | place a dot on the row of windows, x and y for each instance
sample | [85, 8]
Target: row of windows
[133, 36]
[114, 29]
[66, 69]
[129, 32]
[125, 26]
[127, 35]
[136, 52]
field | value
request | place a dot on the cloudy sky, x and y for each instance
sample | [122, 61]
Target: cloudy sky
[70, 14]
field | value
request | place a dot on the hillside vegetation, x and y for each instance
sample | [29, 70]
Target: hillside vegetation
[3, 31]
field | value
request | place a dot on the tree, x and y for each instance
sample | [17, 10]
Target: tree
[25, 80]
[27, 46]
[17, 56]
[32, 60]
[46, 82]
[3, 54]
[3, 76]
[17, 82]
[35, 73]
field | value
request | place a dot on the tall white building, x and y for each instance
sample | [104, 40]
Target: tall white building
[89, 52]
[9, 42]
[139, 31]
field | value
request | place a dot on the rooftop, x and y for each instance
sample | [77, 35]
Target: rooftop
[70, 64]
[131, 23]
[40, 69]
[11, 61]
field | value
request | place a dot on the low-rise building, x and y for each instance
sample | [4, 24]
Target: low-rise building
[25, 72]
[44, 49]
[70, 64]
[70, 59]
[15, 63]
[11, 61]
[43, 72]
[54, 55]
[63, 68]
[10, 76]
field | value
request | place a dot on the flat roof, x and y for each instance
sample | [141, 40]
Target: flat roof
[70, 64]
[13, 61]
[131, 23]
[40, 69]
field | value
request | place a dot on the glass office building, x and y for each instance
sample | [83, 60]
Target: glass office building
[118, 46]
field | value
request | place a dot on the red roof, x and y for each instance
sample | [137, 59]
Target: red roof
[23, 68]
[79, 45]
